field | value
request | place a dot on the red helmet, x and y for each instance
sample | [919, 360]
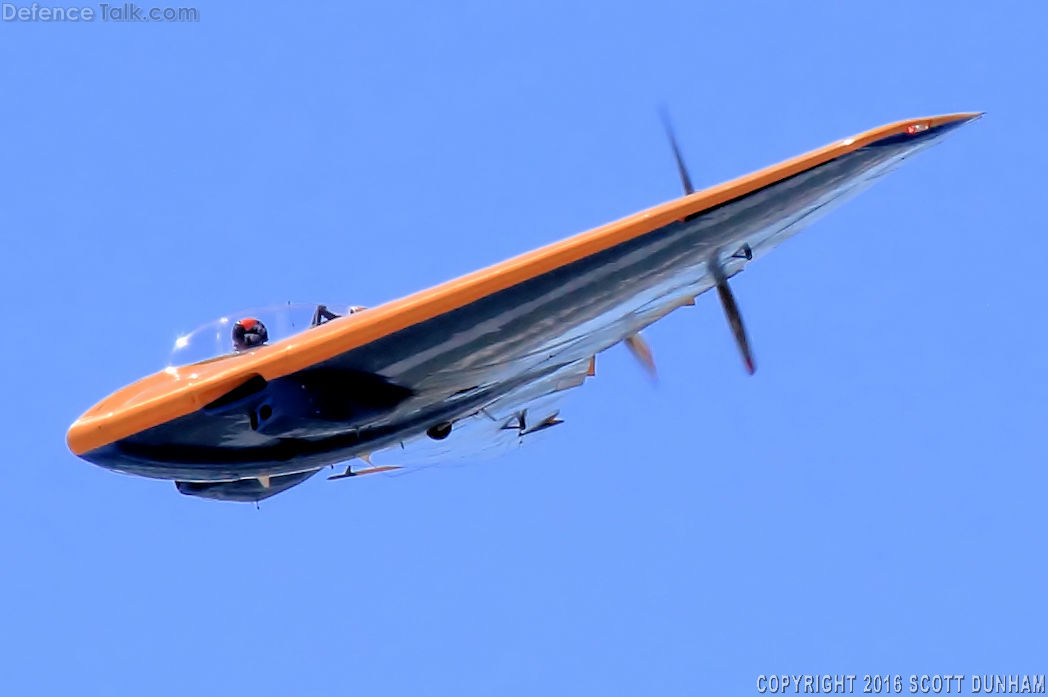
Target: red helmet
[249, 333]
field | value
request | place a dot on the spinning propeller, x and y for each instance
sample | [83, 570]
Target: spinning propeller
[727, 298]
[640, 350]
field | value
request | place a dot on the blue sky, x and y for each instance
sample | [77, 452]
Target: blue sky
[872, 501]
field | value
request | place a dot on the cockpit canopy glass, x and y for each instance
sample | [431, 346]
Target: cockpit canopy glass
[244, 331]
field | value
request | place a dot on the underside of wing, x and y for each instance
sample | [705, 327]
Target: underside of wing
[509, 421]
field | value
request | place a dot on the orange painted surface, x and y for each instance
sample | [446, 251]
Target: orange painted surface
[170, 394]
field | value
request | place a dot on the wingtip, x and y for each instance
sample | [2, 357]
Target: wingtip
[960, 117]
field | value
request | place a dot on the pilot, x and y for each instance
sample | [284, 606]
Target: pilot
[249, 333]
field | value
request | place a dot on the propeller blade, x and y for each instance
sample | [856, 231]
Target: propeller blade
[682, 169]
[731, 311]
[642, 352]
[637, 346]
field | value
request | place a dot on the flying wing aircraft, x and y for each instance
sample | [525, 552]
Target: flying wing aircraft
[274, 397]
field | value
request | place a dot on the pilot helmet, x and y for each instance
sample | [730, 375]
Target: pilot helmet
[249, 333]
